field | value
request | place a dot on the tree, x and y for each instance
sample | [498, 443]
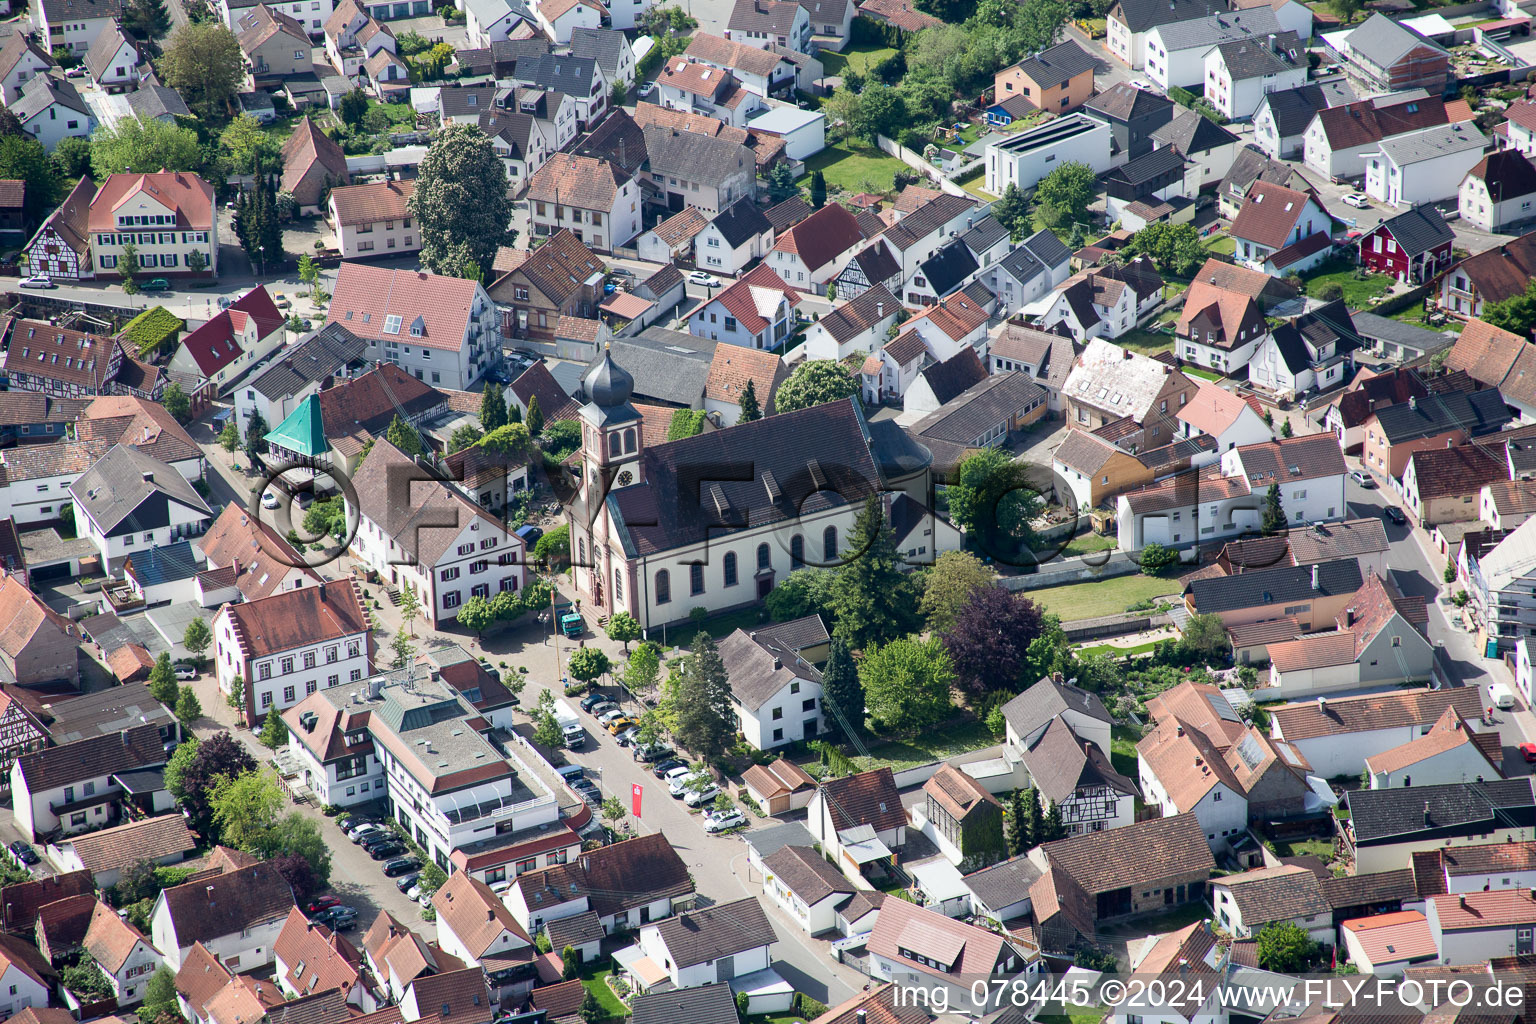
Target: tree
[176, 766]
[204, 62]
[642, 669]
[1012, 212]
[949, 584]
[1094, 959]
[146, 19]
[162, 680]
[907, 683]
[535, 418]
[571, 963]
[1516, 314]
[748, 404]
[274, 731]
[587, 664]
[685, 423]
[464, 435]
[176, 402]
[476, 614]
[873, 601]
[188, 708]
[818, 190]
[815, 382]
[1063, 195]
[882, 111]
[86, 978]
[623, 628]
[246, 145]
[220, 755]
[613, 811]
[197, 637]
[807, 591]
[245, 806]
[405, 651]
[353, 108]
[298, 849]
[159, 997]
[1205, 637]
[1016, 828]
[493, 408]
[547, 731]
[701, 707]
[989, 641]
[434, 62]
[1284, 947]
[1274, 513]
[460, 201]
[403, 436]
[22, 158]
[1346, 9]
[1174, 248]
[781, 183]
[1156, 559]
[1286, 429]
[71, 157]
[560, 439]
[994, 502]
[1053, 828]
[1450, 573]
[592, 1010]
[229, 437]
[842, 694]
[410, 606]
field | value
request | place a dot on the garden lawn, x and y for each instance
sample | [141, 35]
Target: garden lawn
[861, 60]
[1083, 543]
[1078, 1015]
[936, 745]
[973, 183]
[1101, 597]
[1221, 244]
[1357, 292]
[1110, 650]
[1146, 342]
[598, 984]
[854, 167]
[1122, 750]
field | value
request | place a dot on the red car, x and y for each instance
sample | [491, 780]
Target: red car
[323, 903]
[1528, 751]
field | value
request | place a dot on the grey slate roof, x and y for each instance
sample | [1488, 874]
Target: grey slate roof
[1380, 328]
[740, 221]
[1385, 41]
[1048, 249]
[309, 362]
[105, 712]
[39, 93]
[1004, 883]
[1419, 230]
[1430, 143]
[98, 59]
[986, 233]
[1048, 698]
[1056, 66]
[603, 45]
[467, 101]
[945, 269]
[1283, 584]
[807, 874]
[1190, 133]
[1141, 15]
[1378, 815]
[115, 491]
[668, 366]
[562, 74]
[949, 430]
[706, 1004]
[760, 666]
[1221, 27]
[724, 929]
[696, 157]
[1479, 412]
[1253, 58]
[767, 841]
[1146, 168]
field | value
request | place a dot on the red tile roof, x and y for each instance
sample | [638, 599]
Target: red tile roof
[372, 203]
[1269, 214]
[187, 195]
[822, 237]
[365, 295]
[754, 293]
[216, 343]
[317, 959]
[294, 618]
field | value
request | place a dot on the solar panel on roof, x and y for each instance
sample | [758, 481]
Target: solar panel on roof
[1249, 751]
[1222, 708]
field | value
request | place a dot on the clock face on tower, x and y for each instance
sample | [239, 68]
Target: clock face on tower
[625, 479]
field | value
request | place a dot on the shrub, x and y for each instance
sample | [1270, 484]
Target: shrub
[152, 329]
[1330, 292]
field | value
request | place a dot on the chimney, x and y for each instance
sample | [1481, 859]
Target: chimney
[879, 311]
[1413, 403]
[1322, 705]
[863, 1015]
[148, 476]
[1181, 730]
[1314, 578]
[1127, 353]
[1461, 898]
[1426, 813]
[1349, 616]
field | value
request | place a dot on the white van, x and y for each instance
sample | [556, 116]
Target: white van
[1502, 696]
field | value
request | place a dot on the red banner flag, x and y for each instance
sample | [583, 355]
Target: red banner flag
[634, 798]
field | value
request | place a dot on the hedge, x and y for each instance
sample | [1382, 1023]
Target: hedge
[153, 328]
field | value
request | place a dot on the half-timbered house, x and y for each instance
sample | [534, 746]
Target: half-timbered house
[19, 734]
[61, 249]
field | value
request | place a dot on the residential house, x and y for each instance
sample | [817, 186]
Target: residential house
[475, 926]
[1160, 863]
[51, 110]
[1221, 415]
[1275, 219]
[1159, 175]
[39, 648]
[1337, 734]
[872, 266]
[810, 254]
[1176, 51]
[1281, 119]
[1312, 351]
[1240, 73]
[258, 558]
[1222, 323]
[1443, 485]
[275, 46]
[609, 47]
[113, 60]
[1499, 586]
[489, 22]
[581, 78]
[1129, 23]
[61, 248]
[1388, 826]
[162, 840]
[1057, 80]
[373, 219]
[1106, 302]
[313, 164]
[528, 136]
[692, 169]
[1396, 341]
[1250, 166]
[74, 24]
[466, 553]
[1206, 145]
[122, 953]
[766, 23]
[1388, 944]
[967, 821]
[1498, 191]
[1469, 928]
[697, 88]
[672, 238]
[702, 947]
[1378, 636]
[130, 500]
[233, 341]
[858, 819]
[707, 1004]
[311, 17]
[1109, 383]
[920, 949]
[1338, 139]
[70, 788]
[1093, 470]
[1495, 275]
[595, 199]
[177, 209]
[1450, 752]
[758, 71]
[281, 648]
[1315, 595]
[933, 223]
[1073, 774]
[236, 915]
[1046, 357]
[26, 979]
[736, 236]
[1424, 166]
[1413, 246]
[1395, 432]
[353, 36]
[627, 885]
[1037, 266]
[806, 887]
[25, 900]
[1383, 55]
[534, 288]
[1023, 158]
[561, 18]
[1247, 902]
[309, 958]
[775, 693]
[732, 370]
[21, 58]
[1134, 114]
[757, 311]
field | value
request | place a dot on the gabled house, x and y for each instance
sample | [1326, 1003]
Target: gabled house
[275, 45]
[21, 58]
[1275, 219]
[966, 820]
[1492, 276]
[233, 341]
[1105, 302]
[1312, 351]
[1134, 114]
[1247, 902]
[1281, 119]
[765, 23]
[1498, 191]
[872, 266]
[1240, 73]
[1338, 138]
[113, 59]
[596, 199]
[1159, 175]
[38, 646]
[1424, 166]
[1176, 51]
[534, 288]
[806, 887]
[174, 200]
[940, 383]
[1389, 944]
[759, 71]
[26, 980]
[920, 949]
[1222, 323]
[1208, 147]
[858, 819]
[736, 236]
[51, 110]
[1337, 734]
[609, 47]
[626, 885]
[74, 24]
[73, 787]
[122, 953]
[732, 370]
[1450, 752]
[1055, 80]
[1075, 775]
[1387, 827]
[309, 957]
[702, 947]
[1222, 416]
[312, 164]
[1130, 21]
[1378, 635]
[697, 88]
[1125, 872]
[560, 18]
[161, 840]
[756, 311]
[1094, 470]
[1045, 356]
[61, 248]
[475, 926]
[1443, 485]
[857, 324]
[1109, 383]
[687, 168]
[1413, 246]
[1383, 55]
[706, 1004]
[373, 219]
[1395, 432]
[779, 787]
[1035, 267]
[810, 254]
[249, 557]
[130, 500]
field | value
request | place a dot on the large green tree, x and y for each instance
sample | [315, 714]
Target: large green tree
[493, 408]
[994, 502]
[146, 20]
[748, 404]
[873, 600]
[842, 695]
[1274, 519]
[1174, 248]
[1284, 947]
[907, 683]
[700, 707]
[460, 202]
[1062, 197]
[1012, 212]
[245, 806]
[815, 382]
[162, 681]
[22, 158]
[948, 586]
[141, 145]
[1516, 314]
[203, 61]
[1039, 22]
[245, 145]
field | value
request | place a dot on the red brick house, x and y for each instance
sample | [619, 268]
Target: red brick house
[1413, 246]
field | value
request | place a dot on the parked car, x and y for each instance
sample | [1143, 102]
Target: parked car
[365, 830]
[401, 866]
[1363, 478]
[155, 284]
[37, 281]
[351, 820]
[322, 903]
[619, 724]
[677, 781]
[185, 672]
[630, 737]
[334, 911]
[703, 796]
[646, 89]
[720, 821]
[270, 500]
[1395, 514]
[384, 850]
[497, 375]
[404, 882]
[648, 752]
[583, 785]
[661, 770]
[1528, 751]
[1359, 200]
[343, 922]
[24, 853]
[414, 892]
[604, 707]
[703, 280]
[592, 700]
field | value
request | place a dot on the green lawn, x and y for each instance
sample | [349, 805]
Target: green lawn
[1146, 342]
[940, 744]
[1122, 750]
[1195, 371]
[1077, 1015]
[973, 183]
[1357, 292]
[1221, 245]
[1101, 597]
[854, 167]
[860, 60]
[1083, 543]
[1119, 652]
[1321, 848]
[597, 983]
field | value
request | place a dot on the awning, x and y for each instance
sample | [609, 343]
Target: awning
[644, 970]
